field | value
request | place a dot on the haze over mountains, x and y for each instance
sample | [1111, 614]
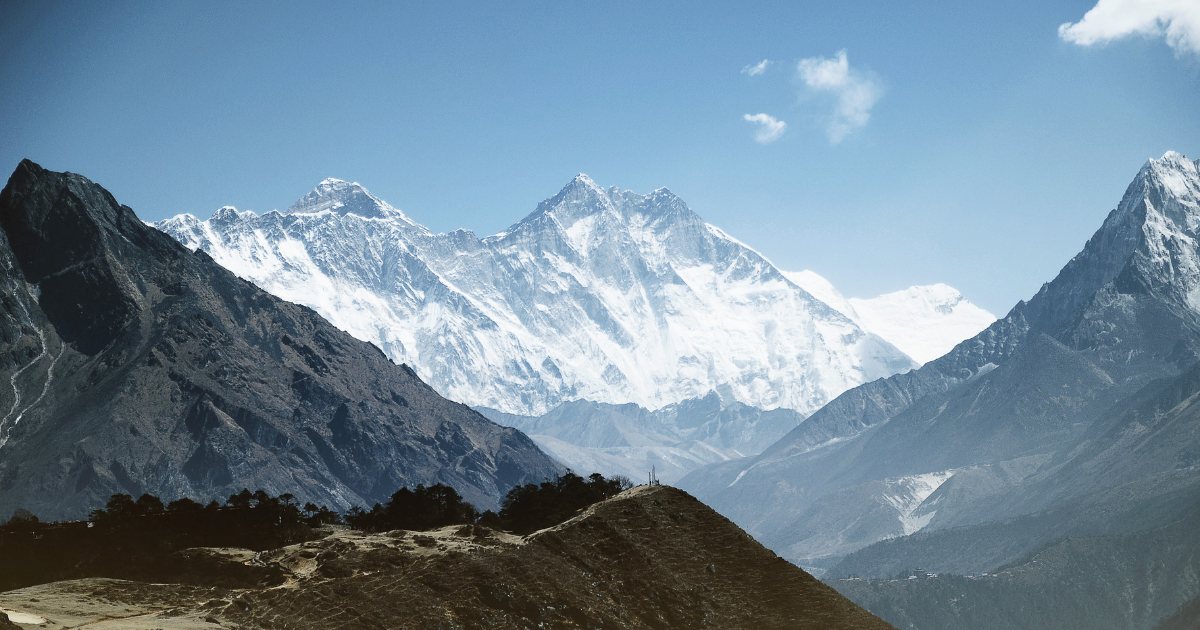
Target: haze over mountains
[631, 440]
[135, 365]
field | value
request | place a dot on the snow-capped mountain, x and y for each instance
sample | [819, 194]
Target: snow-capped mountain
[1076, 411]
[924, 322]
[599, 294]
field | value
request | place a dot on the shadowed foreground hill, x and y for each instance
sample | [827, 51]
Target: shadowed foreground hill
[652, 557]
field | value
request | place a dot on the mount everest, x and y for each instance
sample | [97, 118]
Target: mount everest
[600, 294]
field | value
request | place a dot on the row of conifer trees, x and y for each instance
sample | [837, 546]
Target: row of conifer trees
[145, 539]
[525, 509]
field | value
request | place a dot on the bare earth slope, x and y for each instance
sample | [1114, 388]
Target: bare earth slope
[652, 557]
[131, 364]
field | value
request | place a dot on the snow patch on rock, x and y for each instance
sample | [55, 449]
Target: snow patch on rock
[909, 493]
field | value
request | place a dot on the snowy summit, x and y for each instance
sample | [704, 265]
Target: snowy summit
[923, 321]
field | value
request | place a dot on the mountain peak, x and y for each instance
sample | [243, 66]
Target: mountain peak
[1173, 172]
[581, 186]
[1165, 197]
[1174, 159]
[226, 213]
[604, 294]
[583, 197]
[344, 198]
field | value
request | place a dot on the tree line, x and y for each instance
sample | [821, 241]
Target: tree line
[142, 539]
[525, 509]
[258, 507]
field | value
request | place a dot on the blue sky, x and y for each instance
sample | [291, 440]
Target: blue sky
[990, 150]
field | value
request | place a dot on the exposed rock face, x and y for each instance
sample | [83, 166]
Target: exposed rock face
[1010, 420]
[138, 366]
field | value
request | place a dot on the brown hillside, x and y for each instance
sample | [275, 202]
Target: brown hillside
[652, 557]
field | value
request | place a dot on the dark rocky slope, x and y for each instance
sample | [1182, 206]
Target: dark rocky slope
[138, 366]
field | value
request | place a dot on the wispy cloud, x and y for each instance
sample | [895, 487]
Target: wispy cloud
[1177, 21]
[855, 92]
[756, 69]
[769, 129]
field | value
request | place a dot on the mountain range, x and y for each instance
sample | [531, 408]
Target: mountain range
[620, 331]
[1056, 446]
[1072, 417]
[134, 365]
[599, 294]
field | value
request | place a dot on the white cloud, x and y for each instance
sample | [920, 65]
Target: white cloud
[770, 128]
[756, 69]
[1178, 21]
[856, 92]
